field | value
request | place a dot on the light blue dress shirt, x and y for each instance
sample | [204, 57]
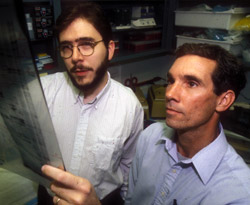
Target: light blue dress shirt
[216, 175]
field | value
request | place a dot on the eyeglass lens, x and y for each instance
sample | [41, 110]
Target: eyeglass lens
[85, 48]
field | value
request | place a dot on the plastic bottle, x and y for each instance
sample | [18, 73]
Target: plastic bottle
[30, 26]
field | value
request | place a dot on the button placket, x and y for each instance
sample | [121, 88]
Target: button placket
[79, 140]
[167, 184]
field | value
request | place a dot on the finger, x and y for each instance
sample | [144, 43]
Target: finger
[57, 200]
[52, 172]
[65, 178]
[75, 196]
[68, 196]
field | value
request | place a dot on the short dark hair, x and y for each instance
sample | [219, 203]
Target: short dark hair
[228, 75]
[90, 11]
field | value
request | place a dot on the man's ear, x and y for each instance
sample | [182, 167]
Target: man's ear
[225, 100]
[111, 49]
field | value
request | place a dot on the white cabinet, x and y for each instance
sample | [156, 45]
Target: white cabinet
[207, 19]
[233, 46]
[211, 20]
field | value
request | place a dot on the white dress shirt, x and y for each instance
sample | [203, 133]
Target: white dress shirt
[98, 139]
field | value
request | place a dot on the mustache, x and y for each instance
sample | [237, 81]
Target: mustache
[80, 67]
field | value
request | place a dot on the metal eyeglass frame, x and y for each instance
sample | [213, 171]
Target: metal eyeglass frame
[94, 44]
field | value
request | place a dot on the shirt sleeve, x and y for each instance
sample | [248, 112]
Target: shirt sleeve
[51, 84]
[130, 146]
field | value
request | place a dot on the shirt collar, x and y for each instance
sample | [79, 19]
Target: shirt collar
[79, 95]
[206, 160]
[105, 89]
[168, 136]
[75, 90]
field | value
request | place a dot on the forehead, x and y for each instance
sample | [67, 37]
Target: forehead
[79, 28]
[193, 65]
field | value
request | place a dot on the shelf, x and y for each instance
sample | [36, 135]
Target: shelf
[137, 29]
[49, 71]
[191, 24]
[40, 21]
[128, 57]
[233, 47]
[35, 1]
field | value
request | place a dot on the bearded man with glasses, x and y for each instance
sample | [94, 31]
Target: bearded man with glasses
[96, 119]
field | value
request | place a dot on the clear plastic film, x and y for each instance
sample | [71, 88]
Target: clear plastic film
[27, 137]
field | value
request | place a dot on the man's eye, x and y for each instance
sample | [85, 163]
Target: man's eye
[192, 84]
[170, 81]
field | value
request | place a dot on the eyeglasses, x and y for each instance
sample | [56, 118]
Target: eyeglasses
[85, 48]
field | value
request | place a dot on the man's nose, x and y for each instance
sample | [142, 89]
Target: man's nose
[76, 55]
[172, 91]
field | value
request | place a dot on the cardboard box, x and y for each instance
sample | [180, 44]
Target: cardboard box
[156, 101]
[143, 101]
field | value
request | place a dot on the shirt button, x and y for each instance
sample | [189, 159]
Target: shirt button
[162, 193]
[96, 107]
[174, 170]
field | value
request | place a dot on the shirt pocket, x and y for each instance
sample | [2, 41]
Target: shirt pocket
[101, 153]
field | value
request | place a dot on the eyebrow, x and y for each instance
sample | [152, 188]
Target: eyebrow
[84, 39]
[187, 77]
[193, 78]
[88, 39]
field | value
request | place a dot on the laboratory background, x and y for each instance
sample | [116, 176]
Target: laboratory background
[146, 33]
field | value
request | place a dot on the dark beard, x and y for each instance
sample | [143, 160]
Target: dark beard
[100, 73]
